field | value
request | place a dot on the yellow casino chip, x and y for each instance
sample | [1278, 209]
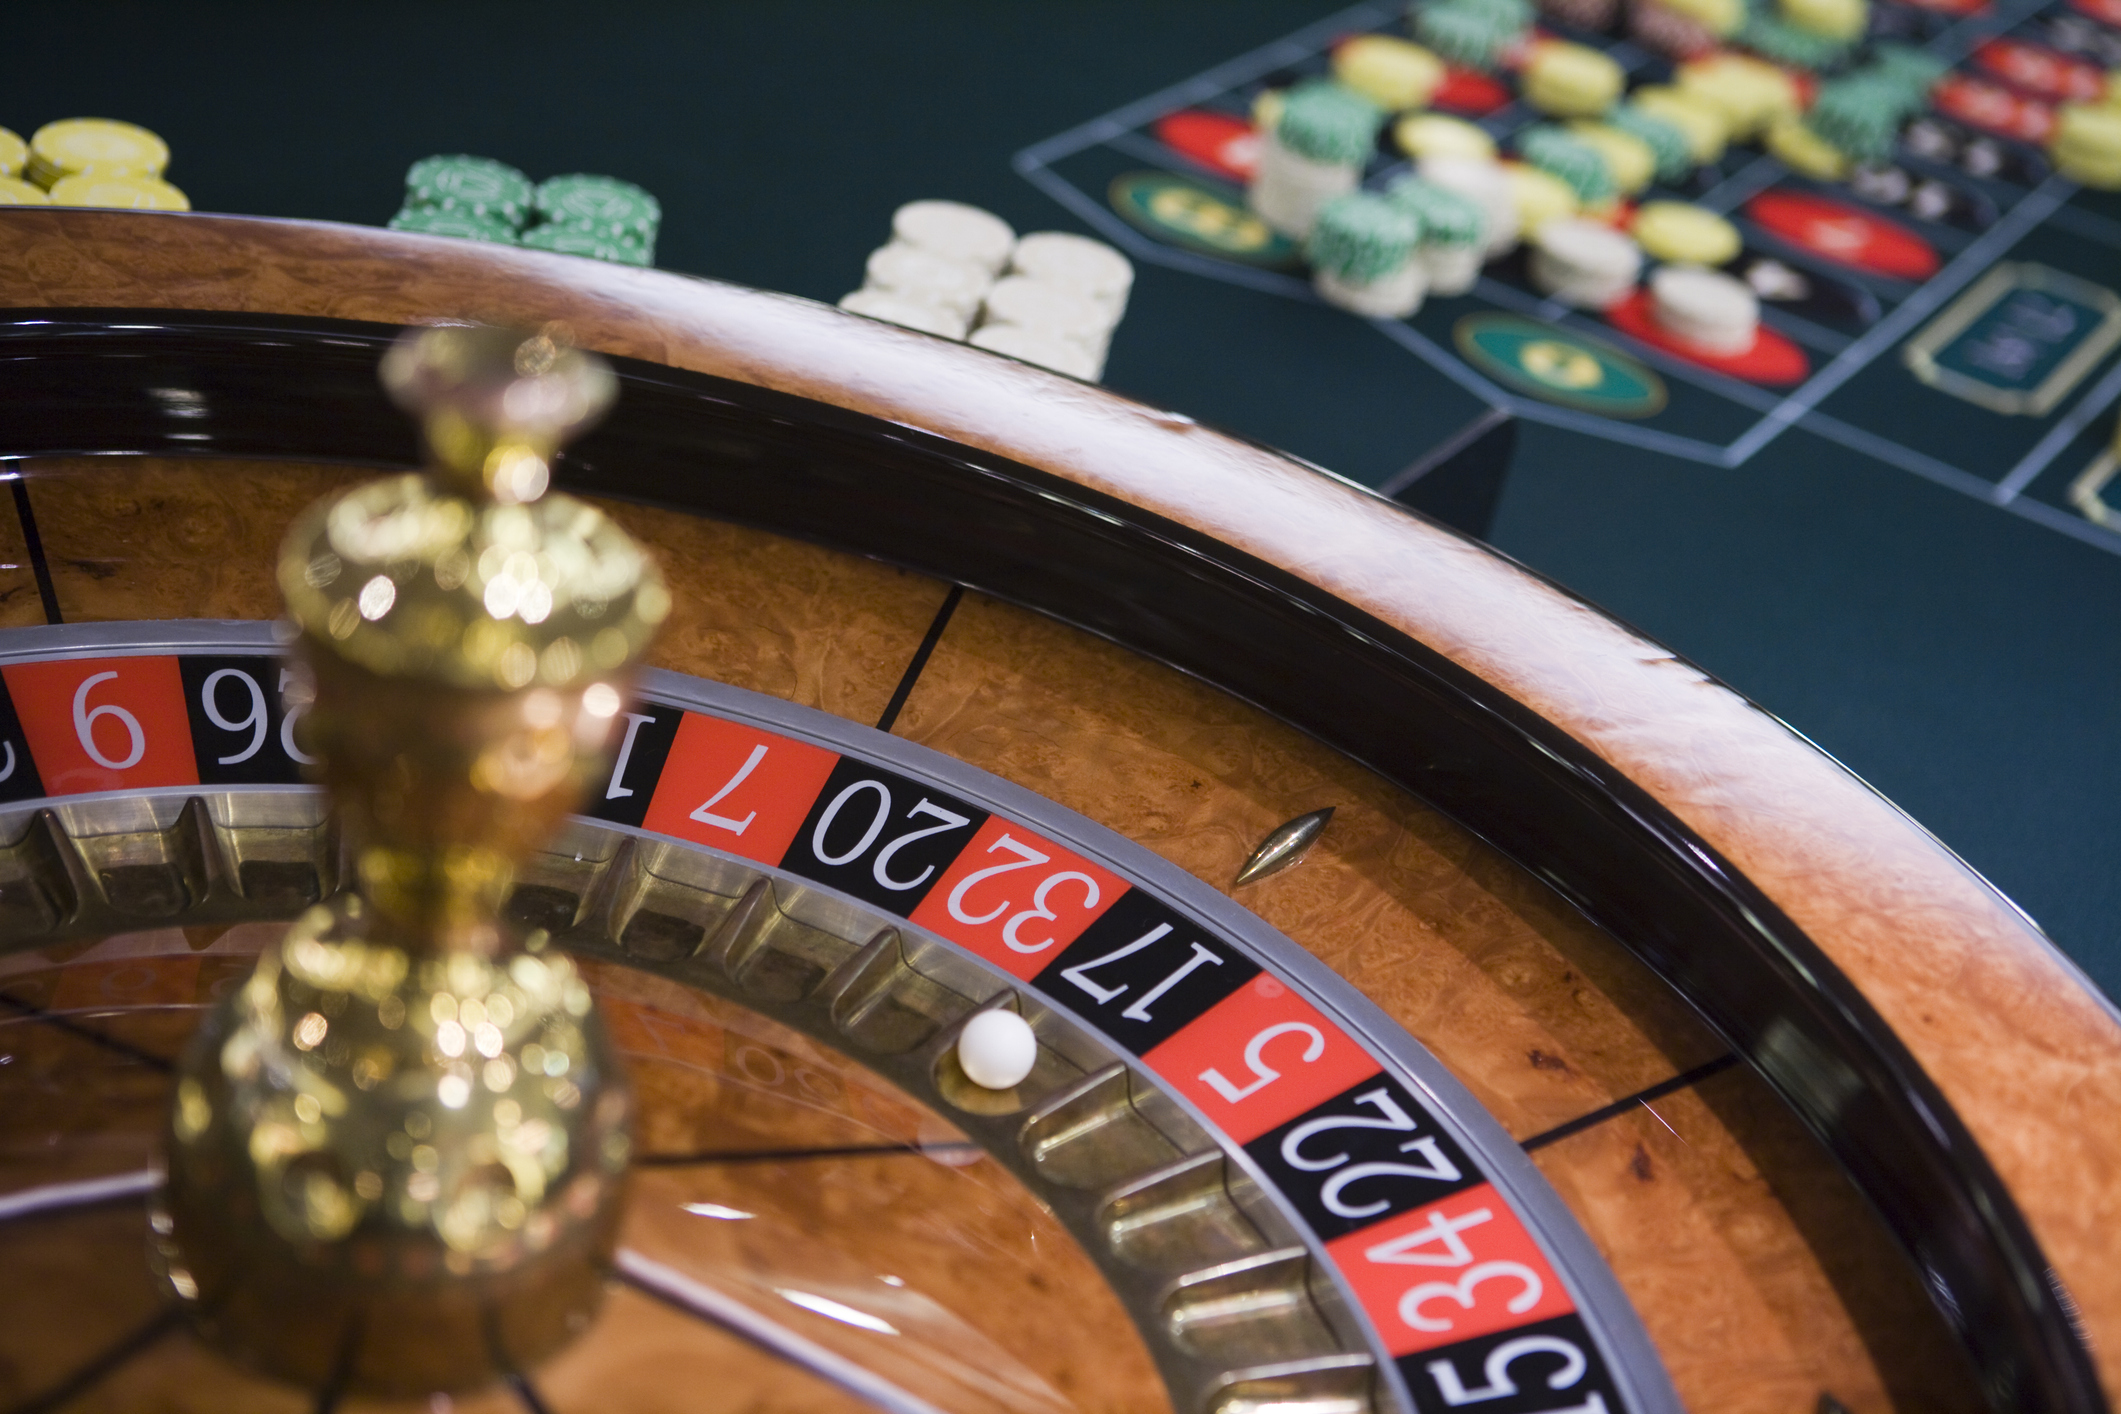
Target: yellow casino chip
[102, 147]
[1752, 94]
[1630, 160]
[1793, 140]
[119, 193]
[1392, 73]
[14, 154]
[1703, 124]
[1422, 135]
[16, 192]
[1539, 196]
[1681, 233]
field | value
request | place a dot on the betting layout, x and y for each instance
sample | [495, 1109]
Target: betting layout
[1702, 221]
[1459, 1290]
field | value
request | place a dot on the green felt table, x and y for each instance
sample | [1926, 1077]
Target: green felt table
[1959, 656]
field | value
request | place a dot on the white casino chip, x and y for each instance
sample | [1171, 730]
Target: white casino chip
[1063, 311]
[927, 278]
[1584, 262]
[1707, 308]
[1077, 261]
[955, 231]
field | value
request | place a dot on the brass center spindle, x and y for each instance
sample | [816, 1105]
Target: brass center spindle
[397, 1152]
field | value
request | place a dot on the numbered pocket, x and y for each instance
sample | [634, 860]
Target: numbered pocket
[881, 837]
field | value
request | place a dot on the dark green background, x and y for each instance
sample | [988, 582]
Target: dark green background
[1962, 660]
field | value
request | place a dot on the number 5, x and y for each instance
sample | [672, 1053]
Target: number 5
[1254, 1058]
[85, 726]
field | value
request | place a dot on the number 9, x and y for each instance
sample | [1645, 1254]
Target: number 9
[254, 723]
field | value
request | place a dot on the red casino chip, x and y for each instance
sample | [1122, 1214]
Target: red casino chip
[1221, 142]
[1995, 109]
[1844, 234]
[2106, 12]
[2042, 72]
[1469, 91]
[1772, 360]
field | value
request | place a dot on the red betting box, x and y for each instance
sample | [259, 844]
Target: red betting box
[1464, 1266]
[104, 723]
[1016, 898]
[736, 788]
[1259, 1058]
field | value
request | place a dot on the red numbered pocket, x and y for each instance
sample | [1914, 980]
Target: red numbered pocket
[1461, 1267]
[104, 723]
[1259, 1058]
[737, 788]
[1016, 898]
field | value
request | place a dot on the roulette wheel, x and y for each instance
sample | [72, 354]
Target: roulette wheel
[1606, 1046]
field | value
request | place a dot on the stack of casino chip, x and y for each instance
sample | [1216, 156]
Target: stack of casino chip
[1700, 124]
[1751, 95]
[1390, 72]
[934, 273]
[1322, 136]
[1714, 312]
[1856, 118]
[956, 271]
[1684, 28]
[1453, 232]
[90, 162]
[480, 199]
[1058, 303]
[1486, 184]
[1474, 34]
[1681, 233]
[1562, 153]
[1565, 80]
[582, 214]
[2086, 144]
[1583, 262]
[14, 156]
[1362, 253]
[1775, 38]
[471, 198]
[1671, 154]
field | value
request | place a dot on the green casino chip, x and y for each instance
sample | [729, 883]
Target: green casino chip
[1674, 159]
[1467, 36]
[478, 186]
[1559, 366]
[435, 221]
[1198, 217]
[1783, 43]
[1361, 238]
[1582, 166]
[1859, 114]
[1448, 219]
[576, 240]
[605, 205]
[1327, 121]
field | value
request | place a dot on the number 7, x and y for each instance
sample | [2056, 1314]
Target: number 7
[705, 814]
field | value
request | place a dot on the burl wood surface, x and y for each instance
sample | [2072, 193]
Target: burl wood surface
[2028, 1056]
[1542, 1017]
[996, 1308]
[19, 603]
[1734, 1244]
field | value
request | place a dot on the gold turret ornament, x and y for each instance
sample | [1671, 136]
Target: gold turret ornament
[397, 1152]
